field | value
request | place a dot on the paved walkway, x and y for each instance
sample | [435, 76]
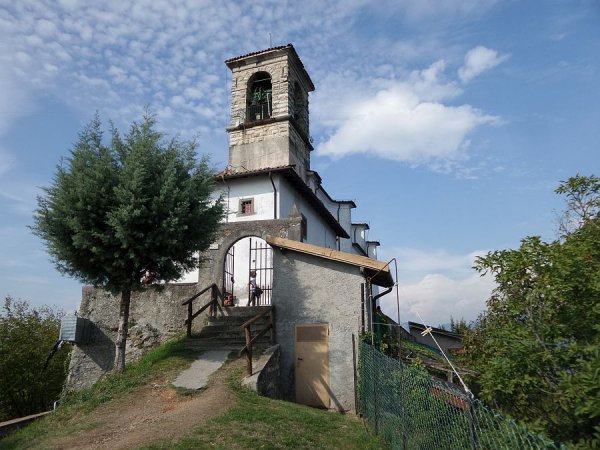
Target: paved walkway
[197, 375]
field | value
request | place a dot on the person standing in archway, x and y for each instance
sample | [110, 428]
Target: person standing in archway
[252, 285]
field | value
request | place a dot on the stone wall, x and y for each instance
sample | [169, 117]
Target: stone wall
[211, 269]
[155, 316]
[269, 144]
[258, 134]
[156, 313]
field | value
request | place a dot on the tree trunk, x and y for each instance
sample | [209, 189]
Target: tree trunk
[122, 334]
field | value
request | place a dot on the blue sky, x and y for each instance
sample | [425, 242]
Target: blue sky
[449, 123]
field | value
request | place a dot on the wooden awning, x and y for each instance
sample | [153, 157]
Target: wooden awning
[376, 271]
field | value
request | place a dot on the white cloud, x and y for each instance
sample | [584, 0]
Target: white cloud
[478, 60]
[417, 261]
[118, 56]
[421, 10]
[18, 197]
[46, 28]
[437, 297]
[16, 99]
[437, 284]
[106, 55]
[6, 161]
[15, 103]
[402, 120]
[394, 125]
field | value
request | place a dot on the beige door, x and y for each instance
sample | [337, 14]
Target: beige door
[312, 364]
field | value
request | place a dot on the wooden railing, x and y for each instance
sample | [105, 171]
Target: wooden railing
[215, 294]
[251, 339]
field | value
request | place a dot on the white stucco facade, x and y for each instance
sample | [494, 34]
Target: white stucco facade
[273, 197]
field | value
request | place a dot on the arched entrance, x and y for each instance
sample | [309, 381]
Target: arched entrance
[248, 254]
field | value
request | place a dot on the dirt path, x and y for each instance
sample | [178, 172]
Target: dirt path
[149, 414]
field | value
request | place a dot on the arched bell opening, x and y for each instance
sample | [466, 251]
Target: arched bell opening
[250, 253]
[259, 97]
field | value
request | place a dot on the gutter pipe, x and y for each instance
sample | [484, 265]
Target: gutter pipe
[339, 244]
[274, 195]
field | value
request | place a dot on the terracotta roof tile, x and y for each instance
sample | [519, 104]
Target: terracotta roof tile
[281, 47]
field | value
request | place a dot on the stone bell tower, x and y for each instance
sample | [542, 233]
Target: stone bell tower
[269, 111]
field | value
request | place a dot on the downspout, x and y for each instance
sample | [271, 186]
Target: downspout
[381, 294]
[377, 321]
[362, 308]
[228, 192]
[339, 245]
[368, 299]
[372, 300]
[274, 196]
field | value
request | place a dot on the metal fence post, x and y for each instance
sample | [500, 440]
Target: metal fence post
[375, 403]
[472, 430]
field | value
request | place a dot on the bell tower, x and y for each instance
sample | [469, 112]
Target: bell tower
[269, 111]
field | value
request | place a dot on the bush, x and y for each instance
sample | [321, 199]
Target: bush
[27, 335]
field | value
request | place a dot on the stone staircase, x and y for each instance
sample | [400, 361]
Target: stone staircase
[224, 331]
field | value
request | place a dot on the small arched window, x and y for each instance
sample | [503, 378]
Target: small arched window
[259, 97]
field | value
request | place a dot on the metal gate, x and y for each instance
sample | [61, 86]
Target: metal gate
[261, 261]
[228, 272]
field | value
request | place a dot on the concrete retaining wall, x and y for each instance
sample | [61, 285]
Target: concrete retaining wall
[265, 379]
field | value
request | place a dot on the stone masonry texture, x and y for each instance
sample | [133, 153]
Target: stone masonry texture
[282, 140]
[155, 315]
[306, 290]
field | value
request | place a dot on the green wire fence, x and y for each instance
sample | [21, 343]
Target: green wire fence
[411, 410]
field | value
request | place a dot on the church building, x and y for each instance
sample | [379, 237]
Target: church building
[282, 231]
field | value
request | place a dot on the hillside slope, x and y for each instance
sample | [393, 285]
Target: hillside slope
[141, 409]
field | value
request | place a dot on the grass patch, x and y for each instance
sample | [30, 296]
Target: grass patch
[251, 422]
[259, 422]
[157, 366]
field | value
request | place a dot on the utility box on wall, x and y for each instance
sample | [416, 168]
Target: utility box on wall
[75, 329]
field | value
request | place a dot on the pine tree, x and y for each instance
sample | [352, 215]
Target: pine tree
[113, 213]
